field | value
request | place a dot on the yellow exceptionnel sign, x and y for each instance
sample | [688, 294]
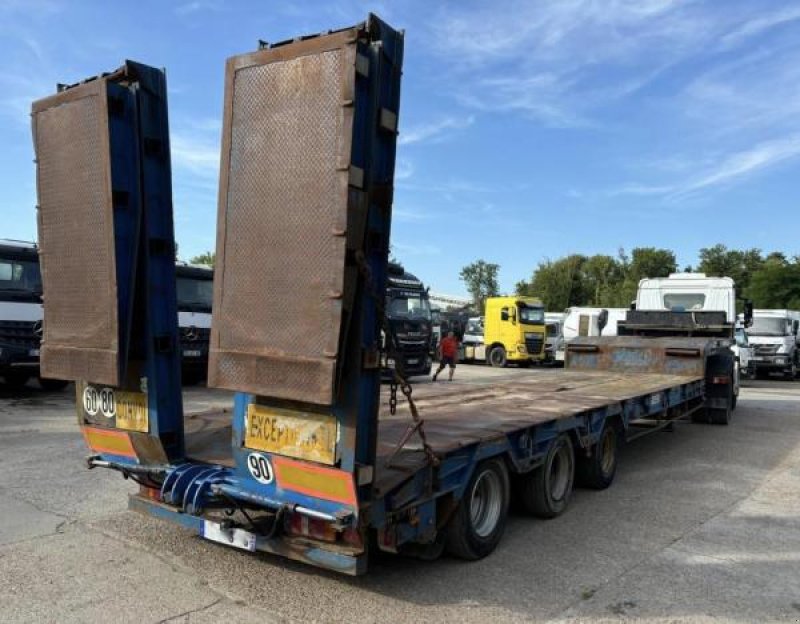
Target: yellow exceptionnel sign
[131, 411]
[304, 435]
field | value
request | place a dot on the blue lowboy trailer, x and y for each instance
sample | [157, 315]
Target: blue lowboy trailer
[315, 461]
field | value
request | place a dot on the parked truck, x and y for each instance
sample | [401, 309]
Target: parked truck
[409, 318]
[775, 338]
[312, 463]
[195, 290]
[511, 331]
[21, 315]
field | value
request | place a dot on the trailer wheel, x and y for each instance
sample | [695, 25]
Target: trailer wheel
[545, 492]
[598, 470]
[497, 357]
[480, 519]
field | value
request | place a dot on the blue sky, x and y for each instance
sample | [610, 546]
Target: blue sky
[528, 130]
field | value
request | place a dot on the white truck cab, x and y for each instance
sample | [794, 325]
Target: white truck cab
[472, 346]
[21, 315]
[775, 338]
[690, 292]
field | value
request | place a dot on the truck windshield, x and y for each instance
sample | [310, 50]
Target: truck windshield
[474, 327]
[684, 301]
[531, 315]
[766, 326]
[20, 280]
[195, 294]
[402, 306]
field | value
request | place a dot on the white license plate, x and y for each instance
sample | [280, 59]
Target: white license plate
[413, 361]
[192, 353]
[238, 538]
[34, 352]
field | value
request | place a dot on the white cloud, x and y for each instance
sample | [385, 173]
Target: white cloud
[731, 169]
[198, 156]
[544, 58]
[196, 6]
[434, 131]
[758, 25]
[416, 249]
[403, 169]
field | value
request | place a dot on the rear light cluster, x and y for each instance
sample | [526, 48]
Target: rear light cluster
[303, 526]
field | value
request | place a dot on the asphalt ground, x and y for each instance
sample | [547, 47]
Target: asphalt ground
[701, 524]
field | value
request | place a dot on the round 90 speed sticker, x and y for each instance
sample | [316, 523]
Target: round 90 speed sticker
[260, 468]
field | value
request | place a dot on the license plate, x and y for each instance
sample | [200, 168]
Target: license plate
[34, 352]
[304, 435]
[192, 353]
[238, 538]
[413, 361]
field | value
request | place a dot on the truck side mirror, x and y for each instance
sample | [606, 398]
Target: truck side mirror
[795, 327]
[602, 320]
[513, 315]
[748, 313]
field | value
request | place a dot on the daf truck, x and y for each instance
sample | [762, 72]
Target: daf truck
[409, 317]
[775, 339]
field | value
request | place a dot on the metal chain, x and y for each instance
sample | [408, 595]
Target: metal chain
[399, 379]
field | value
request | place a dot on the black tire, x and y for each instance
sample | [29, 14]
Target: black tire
[497, 357]
[598, 470]
[16, 381]
[545, 492]
[791, 373]
[721, 415]
[53, 385]
[480, 519]
[734, 401]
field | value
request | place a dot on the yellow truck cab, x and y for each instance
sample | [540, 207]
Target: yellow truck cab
[514, 330]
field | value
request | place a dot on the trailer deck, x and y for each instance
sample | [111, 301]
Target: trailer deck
[463, 412]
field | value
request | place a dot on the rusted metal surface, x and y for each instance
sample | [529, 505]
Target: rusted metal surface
[672, 356]
[283, 206]
[208, 437]
[76, 236]
[462, 414]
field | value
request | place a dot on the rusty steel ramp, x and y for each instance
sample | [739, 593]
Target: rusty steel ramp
[285, 211]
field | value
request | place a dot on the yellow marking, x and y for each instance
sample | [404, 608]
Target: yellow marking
[132, 411]
[304, 435]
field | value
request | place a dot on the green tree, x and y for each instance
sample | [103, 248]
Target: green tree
[602, 276]
[558, 283]
[209, 258]
[480, 278]
[740, 265]
[776, 285]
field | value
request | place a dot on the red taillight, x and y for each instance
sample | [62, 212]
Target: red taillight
[311, 527]
[721, 379]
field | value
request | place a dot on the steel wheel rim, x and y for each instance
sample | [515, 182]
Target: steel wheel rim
[607, 450]
[558, 475]
[485, 503]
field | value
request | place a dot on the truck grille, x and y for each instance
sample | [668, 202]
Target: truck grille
[533, 342]
[20, 334]
[194, 337]
[766, 349]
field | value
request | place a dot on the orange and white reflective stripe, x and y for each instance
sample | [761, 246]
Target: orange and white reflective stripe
[109, 441]
[313, 480]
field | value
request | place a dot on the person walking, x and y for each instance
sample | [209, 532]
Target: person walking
[448, 352]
